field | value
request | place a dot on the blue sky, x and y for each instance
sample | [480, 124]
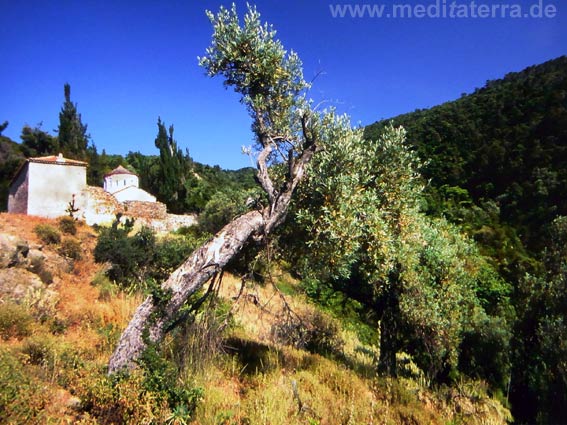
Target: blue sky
[129, 62]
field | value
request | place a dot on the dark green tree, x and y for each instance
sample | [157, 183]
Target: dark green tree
[427, 284]
[11, 157]
[36, 142]
[72, 133]
[147, 168]
[175, 170]
[506, 143]
[539, 379]
[96, 169]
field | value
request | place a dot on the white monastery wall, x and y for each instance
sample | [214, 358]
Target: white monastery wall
[51, 187]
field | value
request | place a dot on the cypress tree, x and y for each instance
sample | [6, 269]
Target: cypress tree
[174, 169]
[73, 137]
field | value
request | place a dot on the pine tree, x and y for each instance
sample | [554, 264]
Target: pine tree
[36, 142]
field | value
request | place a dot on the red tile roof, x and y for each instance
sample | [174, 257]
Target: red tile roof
[120, 170]
[51, 159]
[57, 159]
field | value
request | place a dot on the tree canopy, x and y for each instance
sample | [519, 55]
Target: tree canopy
[175, 170]
[426, 283]
[504, 143]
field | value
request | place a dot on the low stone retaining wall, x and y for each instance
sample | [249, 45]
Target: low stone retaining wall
[145, 210]
[99, 207]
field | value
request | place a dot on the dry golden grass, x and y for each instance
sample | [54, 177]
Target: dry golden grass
[260, 306]
[22, 225]
[78, 308]
[259, 381]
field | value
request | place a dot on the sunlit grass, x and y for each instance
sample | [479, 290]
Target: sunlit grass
[53, 367]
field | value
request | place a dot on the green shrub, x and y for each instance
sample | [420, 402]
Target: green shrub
[48, 234]
[221, 209]
[71, 248]
[67, 225]
[170, 252]
[137, 260]
[161, 378]
[106, 289]
[15, 321]
[39, 350]
[188, 231]
[22, 398]
[120, 398]
[315, 332]
[58, 326]
[129, 256]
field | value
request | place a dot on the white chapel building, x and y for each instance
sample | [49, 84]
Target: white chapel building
[50, 186]
[46, 185]
[123, 184]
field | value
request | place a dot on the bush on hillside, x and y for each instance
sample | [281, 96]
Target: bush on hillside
[67, 225]
[71, 248]
[127, 255]
[314, 331]
[23, 398]
[136, 261]
[48, 234]
[15, 321]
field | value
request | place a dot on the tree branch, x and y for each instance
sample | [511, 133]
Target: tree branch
[263, 176]
[151, 319]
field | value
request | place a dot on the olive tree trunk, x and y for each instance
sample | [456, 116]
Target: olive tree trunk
[151, 320]
[153, 317]
[270, 81]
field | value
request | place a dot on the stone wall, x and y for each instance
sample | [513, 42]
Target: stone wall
[18, 195]
[97, 206]
[175, 221]
[145, 210]
[155, 216]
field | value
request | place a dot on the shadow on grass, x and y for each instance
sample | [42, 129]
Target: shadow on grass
[257, 357]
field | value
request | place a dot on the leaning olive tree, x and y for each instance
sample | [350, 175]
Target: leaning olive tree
[358, 212]
[287, 130]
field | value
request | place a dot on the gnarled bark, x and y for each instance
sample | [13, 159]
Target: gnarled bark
[150, 320]
[269, 108]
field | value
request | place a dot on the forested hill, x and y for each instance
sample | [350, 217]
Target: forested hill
[505, 144]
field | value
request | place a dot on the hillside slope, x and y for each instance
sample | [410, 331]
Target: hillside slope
[496, 163]
[505, 143]
[278, 360]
